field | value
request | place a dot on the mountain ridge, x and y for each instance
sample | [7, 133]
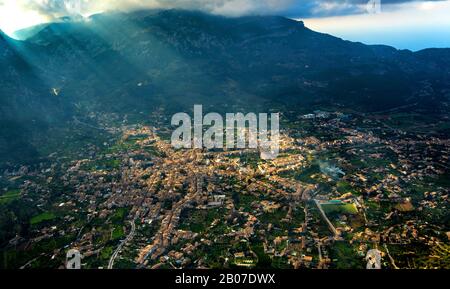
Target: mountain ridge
[177, 58]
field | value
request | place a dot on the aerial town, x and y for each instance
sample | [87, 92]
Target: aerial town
[341, 186]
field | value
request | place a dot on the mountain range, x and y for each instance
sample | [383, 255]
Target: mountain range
[134, 63]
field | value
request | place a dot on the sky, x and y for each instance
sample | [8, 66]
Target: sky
[404, 24]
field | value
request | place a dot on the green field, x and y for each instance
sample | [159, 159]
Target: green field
[9, 196]
[103, 164]
[119, 216]
[345, 256]
[47, 216]
[342, 208]
[106, 253]
[117, 233]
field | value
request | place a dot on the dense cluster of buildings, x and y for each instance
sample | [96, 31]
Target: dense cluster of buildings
[262, 202]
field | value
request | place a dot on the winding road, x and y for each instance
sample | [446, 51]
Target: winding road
[122, 244]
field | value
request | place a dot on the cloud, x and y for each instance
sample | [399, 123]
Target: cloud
[16, 14]
[326, 8]
[300, 8]
[58, 8]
